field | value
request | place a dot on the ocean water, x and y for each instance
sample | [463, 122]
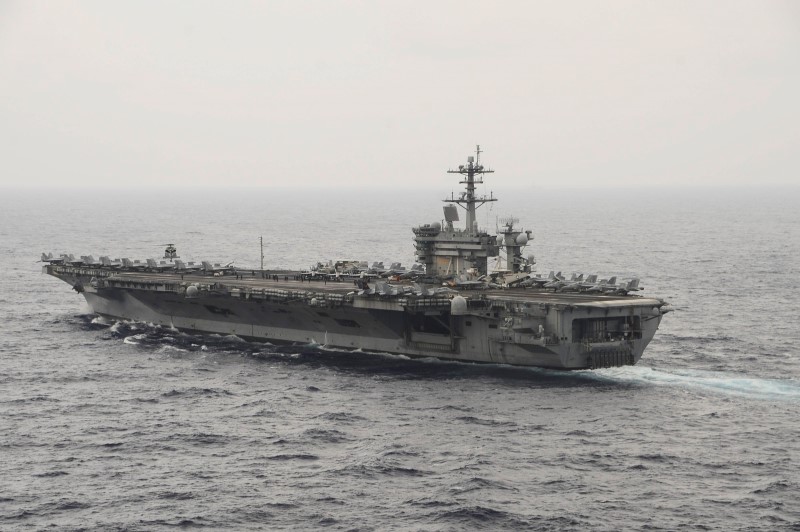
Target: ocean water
[126, 426]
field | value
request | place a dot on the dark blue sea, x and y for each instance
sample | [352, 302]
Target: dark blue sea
[127, 426]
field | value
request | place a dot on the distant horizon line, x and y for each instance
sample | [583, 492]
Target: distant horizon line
[426, 186]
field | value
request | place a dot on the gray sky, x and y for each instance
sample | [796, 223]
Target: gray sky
[392, 93]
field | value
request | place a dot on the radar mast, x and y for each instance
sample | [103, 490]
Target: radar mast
[473, 175]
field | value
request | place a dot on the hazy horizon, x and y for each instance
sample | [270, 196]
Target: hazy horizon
[426, 191]
[374, 95]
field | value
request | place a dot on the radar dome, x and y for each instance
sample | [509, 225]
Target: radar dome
[191, 291]
[437, 226]
[458, 306]
[522, 239]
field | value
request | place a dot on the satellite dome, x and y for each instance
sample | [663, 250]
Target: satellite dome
[437, 226]
[314, 301]
[522, 239]
[458, 306]
[191, 291]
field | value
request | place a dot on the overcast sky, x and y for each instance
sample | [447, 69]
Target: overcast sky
[295, 93]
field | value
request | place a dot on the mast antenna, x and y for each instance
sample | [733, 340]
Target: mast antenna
[261, 239]
[472, 173]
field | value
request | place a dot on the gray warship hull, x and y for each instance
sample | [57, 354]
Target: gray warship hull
[519, 326]
[468, 312]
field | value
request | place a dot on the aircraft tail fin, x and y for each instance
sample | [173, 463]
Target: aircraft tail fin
[381, 288]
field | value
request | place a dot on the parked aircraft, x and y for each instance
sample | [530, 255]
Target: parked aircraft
[603, 285]
[108, 263]
[632, 286]
[217, 269]
[180, 266]
[538, 281]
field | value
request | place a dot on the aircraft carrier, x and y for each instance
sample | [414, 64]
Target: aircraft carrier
[451, 306]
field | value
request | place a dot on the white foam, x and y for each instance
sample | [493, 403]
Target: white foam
[706, 380]
[172, 348]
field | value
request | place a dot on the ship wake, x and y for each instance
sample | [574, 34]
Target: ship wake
[701, 380]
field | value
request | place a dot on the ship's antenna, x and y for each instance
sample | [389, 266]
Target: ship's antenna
[261, 239]
[491, 205]
[477, 154]
[472, 174]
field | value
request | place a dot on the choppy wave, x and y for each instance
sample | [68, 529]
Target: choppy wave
[184, 431]
[133, 340]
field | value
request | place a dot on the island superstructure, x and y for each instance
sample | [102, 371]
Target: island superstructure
[453, 306]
